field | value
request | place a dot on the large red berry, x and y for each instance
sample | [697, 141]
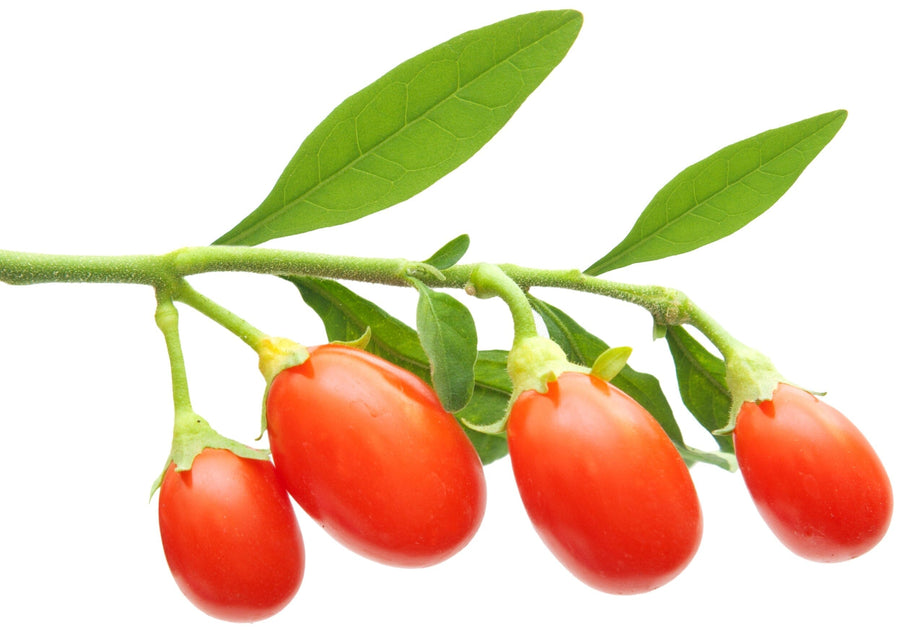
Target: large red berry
[231, 536]
[813, 476]
[603, 485]
[367, 450]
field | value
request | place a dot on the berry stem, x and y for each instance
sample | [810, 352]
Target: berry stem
[167, 321]
[488, 281]
[192, 433]
[248, 333]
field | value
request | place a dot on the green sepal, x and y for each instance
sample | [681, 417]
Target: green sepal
[533, 362]
[751, 377]
[277, 354]
[194, 434]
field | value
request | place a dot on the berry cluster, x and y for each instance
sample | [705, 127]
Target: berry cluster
[367, 450]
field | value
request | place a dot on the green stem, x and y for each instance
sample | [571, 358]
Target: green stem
[488, 281]
[28, 268]
[279, 262]
[191, 433]
[249, 334]
[727, 344]
[667, 306]
[167, 321]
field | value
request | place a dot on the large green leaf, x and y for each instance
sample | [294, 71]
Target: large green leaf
[418, 122]
[583, 348]
[722, 193]
[347, 315]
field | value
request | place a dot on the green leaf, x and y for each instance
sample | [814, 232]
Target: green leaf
[347, 315]
[418, 122]
[448, 336]
[449, 254]
[610, 362]
[701, 381]
[722, 193]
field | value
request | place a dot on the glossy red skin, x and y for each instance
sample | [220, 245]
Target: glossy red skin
[603, 485]
[813, 476]
[366, 449]
[230, 535]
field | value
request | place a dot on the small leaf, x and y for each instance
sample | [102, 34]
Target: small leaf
[347, 315]
[722, 193]
[449, 254]
[610, 362]
[701, 381]
[448, 336]
[411, 127]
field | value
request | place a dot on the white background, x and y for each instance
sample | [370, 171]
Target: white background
[140, 128]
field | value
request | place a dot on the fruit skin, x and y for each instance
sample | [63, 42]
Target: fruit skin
[815, 479]
[366, 449]
[603, 485]
[230, 536]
